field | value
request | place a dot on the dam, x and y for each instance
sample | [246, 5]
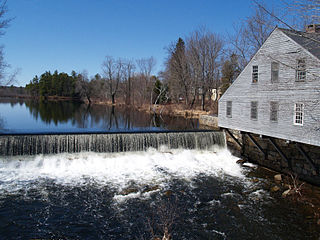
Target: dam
[32, 144]
[116, 174]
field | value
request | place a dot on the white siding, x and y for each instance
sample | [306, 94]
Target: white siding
[278, 47]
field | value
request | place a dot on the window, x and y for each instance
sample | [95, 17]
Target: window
[298, 114]
[255, 74]
[229, 109]
[274, 72]
[301, 71]
[274, 109]
[254, 110]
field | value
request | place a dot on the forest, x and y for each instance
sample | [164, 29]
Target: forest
[56, 84]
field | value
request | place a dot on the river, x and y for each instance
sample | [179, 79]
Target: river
[194, 193]
[19, 116]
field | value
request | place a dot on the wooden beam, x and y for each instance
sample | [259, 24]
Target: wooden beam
[306, 156]
[280, 152]
[233, 137]
[257, 145]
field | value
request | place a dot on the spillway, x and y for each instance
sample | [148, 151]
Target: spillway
[32, 144]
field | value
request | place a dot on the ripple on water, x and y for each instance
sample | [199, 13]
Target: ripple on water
[204, 194]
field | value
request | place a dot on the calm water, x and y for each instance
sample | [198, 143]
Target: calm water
[34, 117]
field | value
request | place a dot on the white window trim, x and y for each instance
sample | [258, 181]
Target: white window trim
[273, 63]
[299, 71]
[294, 114]
[277, 111]
[229, 115]
[257, 107]
[252, 74]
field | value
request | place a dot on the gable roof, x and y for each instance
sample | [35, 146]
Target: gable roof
[309, 41]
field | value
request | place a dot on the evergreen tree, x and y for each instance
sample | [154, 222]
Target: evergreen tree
[161, 92]
[56, 84]
[179, 74]
[230, 71]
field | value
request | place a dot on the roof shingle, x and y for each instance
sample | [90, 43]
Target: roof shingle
[309, 41]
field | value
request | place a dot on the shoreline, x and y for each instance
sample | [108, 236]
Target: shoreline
[171, 110]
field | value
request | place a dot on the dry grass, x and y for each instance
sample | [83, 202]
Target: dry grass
[170, 109]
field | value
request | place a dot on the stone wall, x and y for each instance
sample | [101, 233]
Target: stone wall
[233, 146]
[209, 120]
[297, 163]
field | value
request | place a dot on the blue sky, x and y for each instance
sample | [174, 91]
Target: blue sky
[77, 34]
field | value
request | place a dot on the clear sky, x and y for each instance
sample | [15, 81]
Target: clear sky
[77, 34]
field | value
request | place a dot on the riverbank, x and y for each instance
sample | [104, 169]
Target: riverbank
[288, 188]
[172, 110]
[36, 98]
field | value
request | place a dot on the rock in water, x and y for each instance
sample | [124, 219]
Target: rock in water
[241, 161]
[168, 193]
[127, 191]
[151, 188]
[278, 177]
[275, 189]
[286, 193]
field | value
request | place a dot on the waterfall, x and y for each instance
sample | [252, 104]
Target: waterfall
[31, 144]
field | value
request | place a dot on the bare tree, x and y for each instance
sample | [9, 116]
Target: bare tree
[129, 68]
[251, 33]
[146, 66]
[113, 73]
[138, 90]
[83, 86]
[204, 51]
[303, 12]
[5, 78]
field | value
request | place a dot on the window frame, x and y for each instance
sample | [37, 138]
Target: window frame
[301, 73]
[229, 109]
[275, 69]
[255, 74]
[274, 111]
[298, 114]
[254, 110]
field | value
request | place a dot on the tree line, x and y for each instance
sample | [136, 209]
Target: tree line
[197, 66]
[56, 84]
[128, 81]
[204, 61]
[125, 80]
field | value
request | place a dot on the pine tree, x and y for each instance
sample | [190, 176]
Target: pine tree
[230, 71]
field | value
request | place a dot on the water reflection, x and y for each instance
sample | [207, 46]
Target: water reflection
[1, 123]
[37, 116]
[52, 112]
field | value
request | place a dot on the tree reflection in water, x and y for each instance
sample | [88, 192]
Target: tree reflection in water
[1, 123]
[101, 117]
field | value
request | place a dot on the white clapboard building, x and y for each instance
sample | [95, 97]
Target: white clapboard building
[278, 92]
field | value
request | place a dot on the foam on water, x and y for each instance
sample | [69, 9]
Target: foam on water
[117, 170]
